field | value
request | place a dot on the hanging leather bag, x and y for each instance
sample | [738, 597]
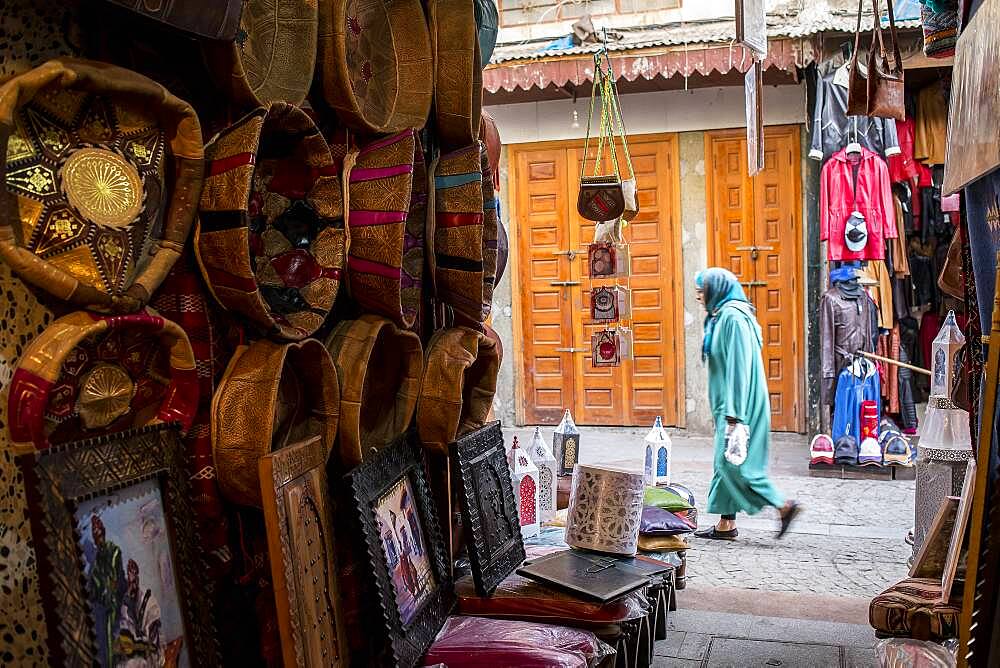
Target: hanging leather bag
[857, 85]
[885, 79]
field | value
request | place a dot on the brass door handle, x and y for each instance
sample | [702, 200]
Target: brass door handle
[753, 284]
[564, 283]
[571, 254]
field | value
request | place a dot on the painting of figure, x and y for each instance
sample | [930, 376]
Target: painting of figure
[131, 585]
[403, 543]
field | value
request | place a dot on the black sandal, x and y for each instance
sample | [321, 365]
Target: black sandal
[787, 516]
[714, 534]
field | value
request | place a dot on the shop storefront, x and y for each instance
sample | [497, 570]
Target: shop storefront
[257, 344]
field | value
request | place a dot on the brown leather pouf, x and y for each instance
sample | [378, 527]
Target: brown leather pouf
[101, 177]
[379, 366]
[460, 380]
[272, 394]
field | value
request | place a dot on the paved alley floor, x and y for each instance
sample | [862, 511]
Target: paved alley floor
[759, 601]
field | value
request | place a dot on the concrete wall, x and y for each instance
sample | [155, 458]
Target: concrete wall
[689, 113]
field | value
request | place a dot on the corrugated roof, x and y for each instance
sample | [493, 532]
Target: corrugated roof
[783, 21]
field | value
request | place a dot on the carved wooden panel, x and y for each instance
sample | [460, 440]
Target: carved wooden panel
[303, 563]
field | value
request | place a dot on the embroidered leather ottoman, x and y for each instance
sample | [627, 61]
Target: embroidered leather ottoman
[102, 175]
[912, 608]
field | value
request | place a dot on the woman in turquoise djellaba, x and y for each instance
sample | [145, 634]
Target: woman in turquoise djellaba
[737, 392]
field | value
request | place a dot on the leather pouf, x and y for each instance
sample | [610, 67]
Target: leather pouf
[271, 395]
[103, 171]
[375, 67]
[386, 220]
[270, 236]
[273, 55]
[459, 383]
[88, 375]
[379, 367]
[458, 73]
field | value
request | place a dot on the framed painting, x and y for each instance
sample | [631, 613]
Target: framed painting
[958, 533]
[406, 552]
[488, 507]
[751, 26]
[300, 542]
[115, 537]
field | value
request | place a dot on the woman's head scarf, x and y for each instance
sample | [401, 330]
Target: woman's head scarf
[719, 287]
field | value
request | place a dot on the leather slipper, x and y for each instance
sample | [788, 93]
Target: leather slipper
[714, 534]
[788, 517]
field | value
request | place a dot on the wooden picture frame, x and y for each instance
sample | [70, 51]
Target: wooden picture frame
[108, 515]
[754, 90]
[406, 552]
[751, 26]
[958, 532]
[929, 562]
[300, 542]
[488, 507]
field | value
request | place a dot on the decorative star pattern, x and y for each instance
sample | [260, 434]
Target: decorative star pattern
[48, 131]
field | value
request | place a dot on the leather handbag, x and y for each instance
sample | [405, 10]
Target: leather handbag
[88, 375]
[606, 196]
[601, 197]
[271, 394]
[885, 78]
[219, 19]
[857, 83]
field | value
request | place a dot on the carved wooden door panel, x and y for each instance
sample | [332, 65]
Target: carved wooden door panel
[756, 229]
[540, 178]
[652, 382]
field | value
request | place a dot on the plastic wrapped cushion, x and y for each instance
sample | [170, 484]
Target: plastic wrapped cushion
[518, 597]
[476, 641]
[904, 653]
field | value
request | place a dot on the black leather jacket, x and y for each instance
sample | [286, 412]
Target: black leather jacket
[833, 129]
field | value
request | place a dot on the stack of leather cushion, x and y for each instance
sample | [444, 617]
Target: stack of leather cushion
[666, 519]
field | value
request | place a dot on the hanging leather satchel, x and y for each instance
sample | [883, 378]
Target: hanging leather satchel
[885, 79]
[601, 197]
[857, 83]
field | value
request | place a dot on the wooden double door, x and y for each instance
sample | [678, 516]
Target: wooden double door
[755, 230]
[553, 325]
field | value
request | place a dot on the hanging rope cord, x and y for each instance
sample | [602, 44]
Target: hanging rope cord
[611, 122]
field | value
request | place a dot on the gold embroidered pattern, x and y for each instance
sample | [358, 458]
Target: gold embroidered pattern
[105, 395]
[36, 180]
[103, 187]
[61, 230]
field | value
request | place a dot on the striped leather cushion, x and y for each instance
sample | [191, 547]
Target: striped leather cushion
[912, 608]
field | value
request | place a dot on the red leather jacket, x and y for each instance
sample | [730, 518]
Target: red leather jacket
[840, 194]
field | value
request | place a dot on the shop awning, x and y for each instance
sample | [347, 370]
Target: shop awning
[648, 64]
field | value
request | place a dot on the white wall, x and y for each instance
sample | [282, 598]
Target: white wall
[690, 10]
[646, 113]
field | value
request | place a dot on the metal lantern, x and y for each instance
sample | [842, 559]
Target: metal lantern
[566, 444]
[525, 480]
[543, 458]
[944, 354]
[658, 455]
